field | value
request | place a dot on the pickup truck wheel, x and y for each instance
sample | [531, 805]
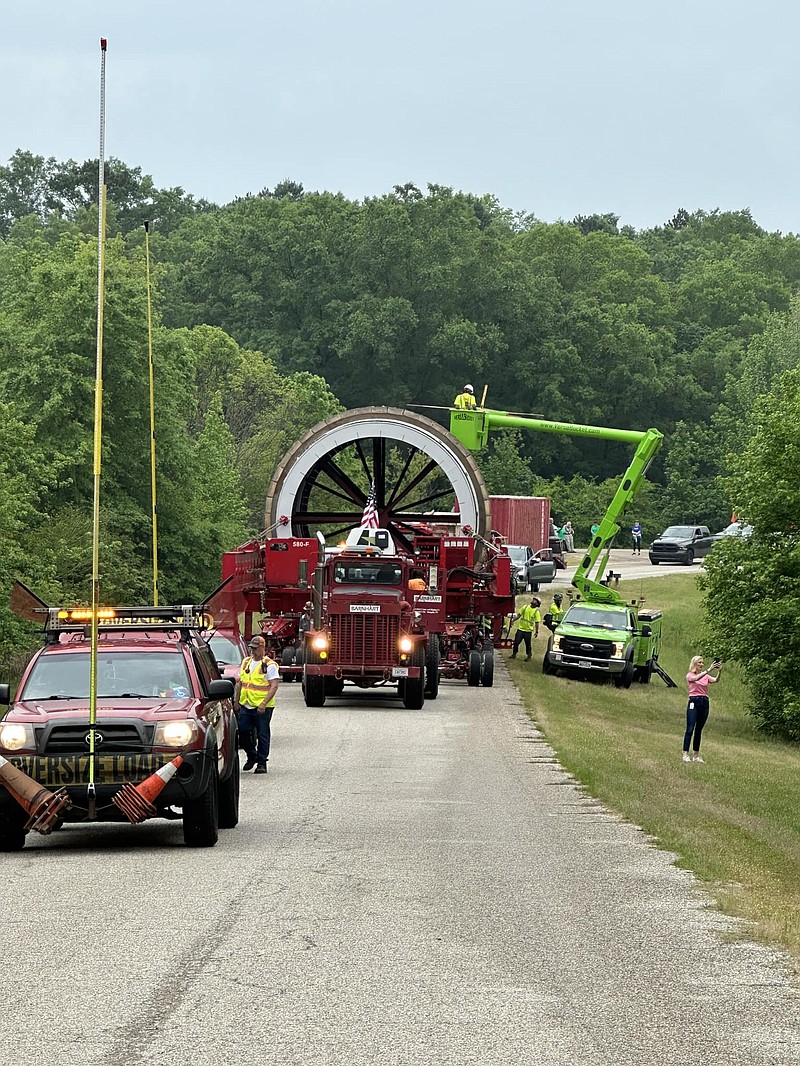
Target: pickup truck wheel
[474, 669]
[547, 668]
[487, 676]
[689, 558]
[414, 691]
[12, 830]
[228, 797]
[432, 660]
[201, 816]
[654, 562]
[624, 679]
[644, 673]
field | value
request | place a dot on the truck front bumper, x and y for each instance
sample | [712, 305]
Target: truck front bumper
[112, 771]
[356, 672]
[560, 660]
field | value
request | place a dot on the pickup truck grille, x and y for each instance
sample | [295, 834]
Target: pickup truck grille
[363, 639]
[588, 649]
[69, 739]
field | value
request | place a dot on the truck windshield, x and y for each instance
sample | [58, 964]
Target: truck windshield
[517, 555]
[367, 572]
[678, 531]
[118, 674]
[597, 619]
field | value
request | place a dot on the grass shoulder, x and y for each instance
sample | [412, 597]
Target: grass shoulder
[735, 820]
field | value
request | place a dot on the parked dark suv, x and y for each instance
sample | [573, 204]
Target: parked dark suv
[681, 544]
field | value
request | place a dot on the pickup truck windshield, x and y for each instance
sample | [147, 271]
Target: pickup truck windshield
[589, 616]
[118, 674]
[518, 556]
[682, 532]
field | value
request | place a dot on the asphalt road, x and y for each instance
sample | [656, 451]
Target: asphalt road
[404, 888]
[630, 567]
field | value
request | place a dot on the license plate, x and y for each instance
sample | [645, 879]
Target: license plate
[56, 770]
[399, 671]
[584, 664]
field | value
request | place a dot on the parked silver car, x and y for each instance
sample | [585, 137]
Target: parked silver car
[529, 569]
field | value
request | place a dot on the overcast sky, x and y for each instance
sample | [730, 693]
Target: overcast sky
[637, 107]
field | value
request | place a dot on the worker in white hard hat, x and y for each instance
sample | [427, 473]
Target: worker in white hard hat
[465, 399]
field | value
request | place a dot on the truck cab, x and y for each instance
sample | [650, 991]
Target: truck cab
[616, 639]
[366, 629]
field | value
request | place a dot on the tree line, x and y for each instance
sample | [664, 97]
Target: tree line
[277, 309]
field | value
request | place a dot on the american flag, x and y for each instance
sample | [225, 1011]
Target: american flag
[369, 519]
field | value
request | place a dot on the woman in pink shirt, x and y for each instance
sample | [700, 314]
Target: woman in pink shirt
[697, 709]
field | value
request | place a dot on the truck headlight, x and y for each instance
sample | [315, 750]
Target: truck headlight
[16, 735]
[405, 644]
[319, 642]
[556, 644]
[619, 651]
[174, 734]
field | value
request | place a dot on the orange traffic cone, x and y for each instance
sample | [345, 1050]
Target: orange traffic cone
[43, 806]
[136, 803]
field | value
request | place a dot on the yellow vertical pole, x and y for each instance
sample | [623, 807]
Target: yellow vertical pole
[98, 429]
[483, 398]
[152, 415]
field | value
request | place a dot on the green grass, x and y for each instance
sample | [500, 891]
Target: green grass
[734, 821]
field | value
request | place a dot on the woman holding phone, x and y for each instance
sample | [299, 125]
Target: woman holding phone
[698, 679]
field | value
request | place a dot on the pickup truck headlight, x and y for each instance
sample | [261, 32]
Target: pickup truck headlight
[619, 651]
[174, 734]
[16, 735]
[556, 644]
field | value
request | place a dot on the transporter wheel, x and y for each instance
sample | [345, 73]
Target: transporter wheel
[432, 660]
[414, 689]
[228, 797]
[474, 669]
[487, 674]
[201, 816]
[313, 684]
[334, 686]
[287, 659]
[12, 830]
[418, 472]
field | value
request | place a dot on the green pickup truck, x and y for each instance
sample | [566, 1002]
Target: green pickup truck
[615, 639]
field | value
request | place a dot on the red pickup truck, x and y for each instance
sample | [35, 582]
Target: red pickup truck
[159, 694]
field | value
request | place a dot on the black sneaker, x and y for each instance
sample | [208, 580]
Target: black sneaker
[261, 769]
[249, 765]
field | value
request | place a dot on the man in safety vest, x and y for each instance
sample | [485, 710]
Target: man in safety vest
[465, 399]
[529, 619]
[556, 612]
[254, 699]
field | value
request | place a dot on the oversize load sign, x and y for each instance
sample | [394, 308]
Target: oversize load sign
[55, 770]
[365, 608]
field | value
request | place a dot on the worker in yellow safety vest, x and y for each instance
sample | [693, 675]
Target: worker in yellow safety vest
[529, 619]
[254, 700]
[465, 399]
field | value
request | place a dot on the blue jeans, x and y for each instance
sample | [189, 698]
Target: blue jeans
[254, 726]
[696, 718]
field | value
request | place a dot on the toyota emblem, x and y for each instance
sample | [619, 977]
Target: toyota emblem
[98, 739]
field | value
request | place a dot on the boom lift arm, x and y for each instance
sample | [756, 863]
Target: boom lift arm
[472, 428]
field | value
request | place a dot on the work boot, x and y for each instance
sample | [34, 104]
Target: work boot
[249, 764]
[261, 768]
[513, 655]
[527, 658]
